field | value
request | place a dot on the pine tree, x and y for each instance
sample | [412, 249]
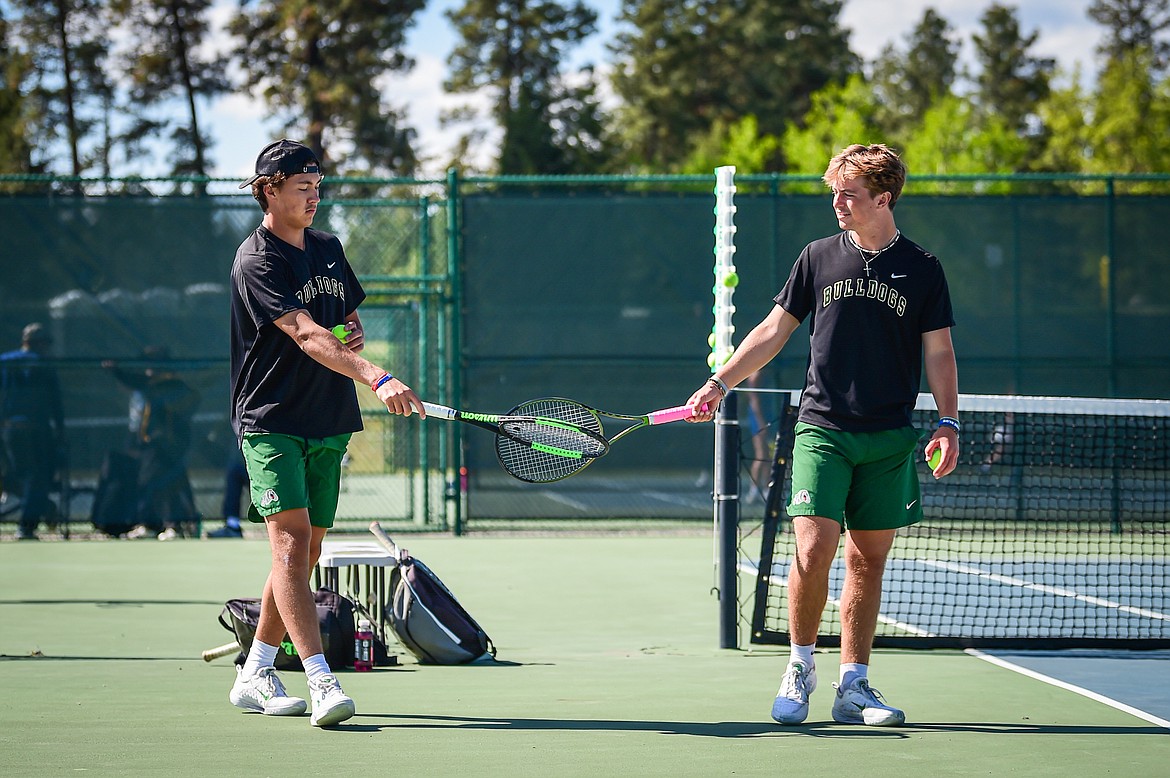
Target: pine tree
[317, 65]
[67, 45]
[685, 66]
[516, 50]
[1010, 82]
[164, 63]
[908, 83]
[15, 142]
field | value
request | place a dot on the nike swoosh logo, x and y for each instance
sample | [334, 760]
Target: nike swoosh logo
[897, 275]
[910, 504]
[330, 265]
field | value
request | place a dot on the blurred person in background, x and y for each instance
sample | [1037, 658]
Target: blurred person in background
[32, 427]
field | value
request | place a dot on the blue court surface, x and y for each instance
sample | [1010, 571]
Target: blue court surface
[1138, 681]
[1045, 598]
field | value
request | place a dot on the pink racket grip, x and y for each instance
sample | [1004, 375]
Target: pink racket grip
[673, 414]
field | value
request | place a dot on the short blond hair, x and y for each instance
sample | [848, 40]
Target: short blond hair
[883, 169]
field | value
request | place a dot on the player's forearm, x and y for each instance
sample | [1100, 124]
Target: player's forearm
[942, 376]
[759, 348]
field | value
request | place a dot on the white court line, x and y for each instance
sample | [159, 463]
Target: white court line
[674, 499]
[558, 497]
[1047, 589]
[1112, 703]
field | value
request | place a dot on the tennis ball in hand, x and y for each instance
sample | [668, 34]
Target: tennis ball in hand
[341, 333]
[935, 458]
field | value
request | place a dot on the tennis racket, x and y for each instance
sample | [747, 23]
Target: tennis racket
[220, 651]
[579, 432]
[545, 435]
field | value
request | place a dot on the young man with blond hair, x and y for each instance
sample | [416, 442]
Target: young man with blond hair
[294, 408]
[879, 310]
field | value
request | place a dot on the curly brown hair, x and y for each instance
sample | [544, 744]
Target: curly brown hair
[276, 179]
[883, 169]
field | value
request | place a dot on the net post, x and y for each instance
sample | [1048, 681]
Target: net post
[726, 466]
[727, 517]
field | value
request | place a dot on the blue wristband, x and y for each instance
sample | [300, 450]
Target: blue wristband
[949, 421]
[377, 384]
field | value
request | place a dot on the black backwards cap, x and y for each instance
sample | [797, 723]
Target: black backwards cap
[284, 156]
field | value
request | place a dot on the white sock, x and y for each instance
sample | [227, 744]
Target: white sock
[803, 655]
[853, 669]
[259, 655]
[315, 667]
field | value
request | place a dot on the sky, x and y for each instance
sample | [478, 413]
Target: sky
[239, 129]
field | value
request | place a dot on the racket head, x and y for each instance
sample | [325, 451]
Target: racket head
[539, 467]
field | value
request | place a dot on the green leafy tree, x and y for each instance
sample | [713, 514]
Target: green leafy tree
[683, 68]
[908, 83]
[948, 142]
[740, 144]
[165, 62]
[1130, 114]
[516, 50]
[841, 114]
[1064, 115]
[1010, 81]
[317, 66]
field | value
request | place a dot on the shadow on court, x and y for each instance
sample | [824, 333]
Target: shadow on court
[135, 603]
[732, 729]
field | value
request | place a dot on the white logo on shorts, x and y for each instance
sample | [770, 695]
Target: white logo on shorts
[802, 498]
[269, 498]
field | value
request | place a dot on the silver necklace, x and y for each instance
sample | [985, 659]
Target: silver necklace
[869, 255]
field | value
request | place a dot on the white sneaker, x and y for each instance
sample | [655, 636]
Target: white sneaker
[170, 533]
[791, 705]
[264, 693]
[857, 703]
[330, 705]
[138, 533]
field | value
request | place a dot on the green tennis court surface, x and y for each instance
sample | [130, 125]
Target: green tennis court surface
[610, 667]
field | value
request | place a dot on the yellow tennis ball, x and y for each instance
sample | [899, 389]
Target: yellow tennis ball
[711, 340]
[731, 279]
[711, 359]
[341, 333]
[935, 458]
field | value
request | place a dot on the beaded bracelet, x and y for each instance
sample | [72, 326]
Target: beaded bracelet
[722, 387]
[950, 421]
[381, 380]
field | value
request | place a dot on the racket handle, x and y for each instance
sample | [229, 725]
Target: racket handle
[215, 653]
[439, 411]
[673, 414]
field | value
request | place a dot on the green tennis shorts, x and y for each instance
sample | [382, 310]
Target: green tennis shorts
[865, 480]
[287, 472]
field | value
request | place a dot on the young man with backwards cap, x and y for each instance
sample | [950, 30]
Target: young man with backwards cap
[294, 408]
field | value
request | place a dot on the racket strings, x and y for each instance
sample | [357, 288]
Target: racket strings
[545, 434]
[535, 466]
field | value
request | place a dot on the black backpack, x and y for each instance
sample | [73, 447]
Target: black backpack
[428, 620]
[335, 614]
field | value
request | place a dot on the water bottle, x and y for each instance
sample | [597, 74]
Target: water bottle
[363, 647]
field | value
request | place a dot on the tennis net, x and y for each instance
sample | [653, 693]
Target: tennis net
[1051, 533]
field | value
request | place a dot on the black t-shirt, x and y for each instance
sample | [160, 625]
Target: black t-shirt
[865, 358]
[275, 386]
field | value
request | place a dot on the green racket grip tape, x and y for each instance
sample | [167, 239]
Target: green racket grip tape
[341, 333]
